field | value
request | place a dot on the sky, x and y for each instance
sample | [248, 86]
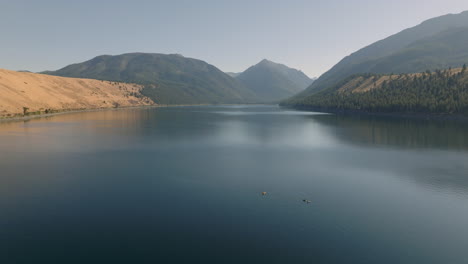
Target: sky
[309, 35]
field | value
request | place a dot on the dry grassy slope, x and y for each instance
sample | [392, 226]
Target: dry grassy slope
[364, 84]
[39, 92]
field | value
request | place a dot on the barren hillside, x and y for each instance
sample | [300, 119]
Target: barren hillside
[44, 93]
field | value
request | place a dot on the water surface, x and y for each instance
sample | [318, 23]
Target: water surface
[184, 185]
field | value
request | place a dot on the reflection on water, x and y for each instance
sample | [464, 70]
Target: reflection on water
[183, 184]
[410, 134]
[397, 132]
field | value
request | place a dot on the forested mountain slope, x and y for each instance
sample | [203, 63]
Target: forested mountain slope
[438, 92]
[437, 43]
[168, 79]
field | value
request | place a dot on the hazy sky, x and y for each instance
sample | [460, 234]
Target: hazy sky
[306, 34]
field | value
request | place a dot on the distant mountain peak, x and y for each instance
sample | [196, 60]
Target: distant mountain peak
[265, 61]
[273, 81]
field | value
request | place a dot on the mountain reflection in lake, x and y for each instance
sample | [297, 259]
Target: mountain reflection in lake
[411, 133]
[184, 184]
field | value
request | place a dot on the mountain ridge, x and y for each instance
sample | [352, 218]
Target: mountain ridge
[273, 81]
[359, 61]
[175, 79]
[168, 79]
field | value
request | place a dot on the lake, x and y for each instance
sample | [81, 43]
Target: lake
[184, 185]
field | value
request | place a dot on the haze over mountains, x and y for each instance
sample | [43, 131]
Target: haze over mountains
[272, 81]
[168, 79]
[434, 44]
[233, 74]
[174, 79]
[438, 43]
[136, 79]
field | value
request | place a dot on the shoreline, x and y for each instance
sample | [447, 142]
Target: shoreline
[26, 118]
[31, 117]
[420, 116]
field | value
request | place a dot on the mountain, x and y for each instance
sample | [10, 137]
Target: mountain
[437, 43]
[168, 79]
[273, 82]
[48, 94]
[439, 92]
[233, 74]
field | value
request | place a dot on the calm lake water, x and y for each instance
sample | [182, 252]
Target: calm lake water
[183, 185]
